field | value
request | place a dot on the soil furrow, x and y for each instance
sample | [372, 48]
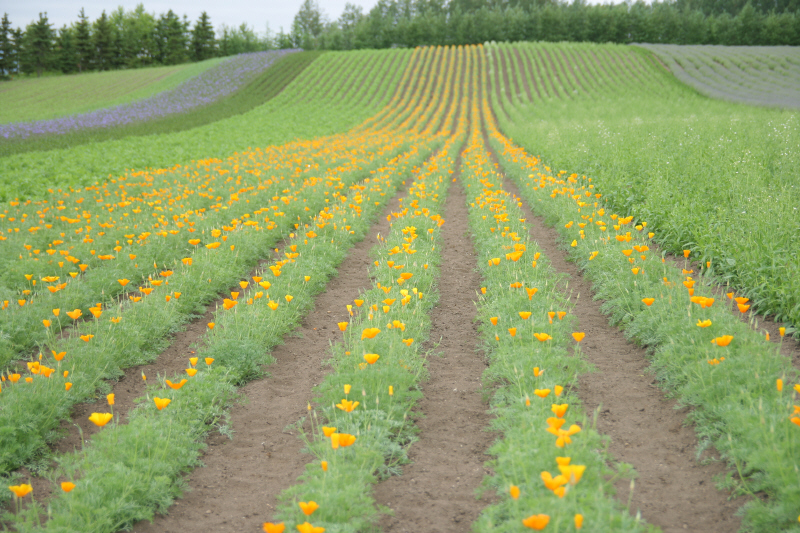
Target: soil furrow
[436, 493]
[237, 488]
[672, 489]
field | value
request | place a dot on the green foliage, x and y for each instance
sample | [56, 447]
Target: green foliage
[257, 92]
[732, 388]
[707, 175]
[57, 96]
[286, 115]
[203, 44]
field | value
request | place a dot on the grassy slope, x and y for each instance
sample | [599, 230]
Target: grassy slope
[708, 175]
[57, 96]
[281, 119]
[258, 91]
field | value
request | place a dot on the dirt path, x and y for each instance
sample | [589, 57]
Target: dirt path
[237, 489]
[437, 492]
[672, 489]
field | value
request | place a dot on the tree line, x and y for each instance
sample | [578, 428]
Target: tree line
[410, 23]
[121, 40]
[136, 38]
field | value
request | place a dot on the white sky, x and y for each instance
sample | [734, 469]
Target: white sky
[257, 14]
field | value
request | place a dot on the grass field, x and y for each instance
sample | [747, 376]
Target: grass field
[52, 97]
[374, 290]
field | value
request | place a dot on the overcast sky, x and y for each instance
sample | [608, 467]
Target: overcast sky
[257, 14]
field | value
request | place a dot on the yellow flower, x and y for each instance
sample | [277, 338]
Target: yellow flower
[20, 491]
[161, 402]
[101, 419]
[308, 508]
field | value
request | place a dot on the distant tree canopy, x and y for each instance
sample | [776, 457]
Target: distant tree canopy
[439, 22]
[131, 39]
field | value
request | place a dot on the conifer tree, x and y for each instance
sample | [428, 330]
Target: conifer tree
[203, 45]
[83, 42]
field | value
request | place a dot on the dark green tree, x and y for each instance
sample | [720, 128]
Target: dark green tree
[203, 44]
[66, 52]
[38, 46]
[103, 38]
[171, 40]
[84, 47]
[7, 55]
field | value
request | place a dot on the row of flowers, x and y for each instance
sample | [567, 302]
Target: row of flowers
[701, 350]
[360, 431]
[150, 224]
[140, 462]
[368, 397]
[133, 331]
[549, 470]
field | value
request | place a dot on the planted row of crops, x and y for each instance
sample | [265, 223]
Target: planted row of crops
[239, 357]
[51, 96]
[711, 176]
[276, 122]
[726, 369]
[96, 280]
[760, 75]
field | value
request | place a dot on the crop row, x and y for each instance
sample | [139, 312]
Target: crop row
[212, 84]
[382, 356]
[128, 471]
[129, 338]
[707, 175]
[278, 121]
[740, 387]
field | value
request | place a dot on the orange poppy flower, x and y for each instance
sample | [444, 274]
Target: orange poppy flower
[308, 508]
[305, 527]
[369, 333]
[101, 419]
[512, 331]
[542, 393]
[559, 409]
[525, 315]
[703, 323]
[514, 491]
[537, 521]
[20, 491]
[176, 386]
[648, 301]
[67, 486]
[371, 358]
[161, 402]
[347, 405]
[74, 314]
[542, 337]
[723, 340]
[269, 527]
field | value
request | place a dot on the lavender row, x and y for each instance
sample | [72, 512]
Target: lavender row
[210, 86]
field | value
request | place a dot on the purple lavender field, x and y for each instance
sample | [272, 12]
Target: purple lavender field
[206, 88]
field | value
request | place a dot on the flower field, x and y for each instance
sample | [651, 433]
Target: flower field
[256, 324]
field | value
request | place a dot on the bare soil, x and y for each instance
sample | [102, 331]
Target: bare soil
[237, 488]
[437, 492]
